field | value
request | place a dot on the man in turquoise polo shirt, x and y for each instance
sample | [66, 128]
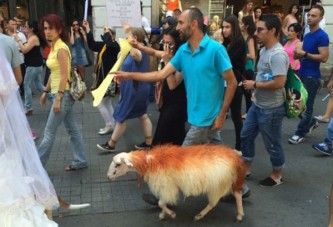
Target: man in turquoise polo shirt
[205, 67]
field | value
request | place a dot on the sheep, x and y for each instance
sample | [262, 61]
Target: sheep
[193, 170]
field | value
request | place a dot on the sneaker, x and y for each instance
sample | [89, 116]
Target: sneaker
[269, 182]
[106, 147]
[143, 146]
[323, 148]
[295, 139]
[320, 119]
[150, 199]
[244, 116]
[313, 127]
[106, 130]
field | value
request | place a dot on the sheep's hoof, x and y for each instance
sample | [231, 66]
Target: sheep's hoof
[239, 218]
[161, 216]
[173, 215]
[198, 217]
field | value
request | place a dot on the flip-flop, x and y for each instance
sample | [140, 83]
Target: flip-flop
[71, 168]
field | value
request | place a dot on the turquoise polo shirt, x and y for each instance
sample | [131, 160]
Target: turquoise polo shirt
[202, 73]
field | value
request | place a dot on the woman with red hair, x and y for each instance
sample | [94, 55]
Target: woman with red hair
[59, 62]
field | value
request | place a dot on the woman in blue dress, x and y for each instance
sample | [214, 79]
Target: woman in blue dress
[77, 39]
[134, 98]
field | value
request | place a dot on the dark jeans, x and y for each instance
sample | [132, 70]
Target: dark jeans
[311, 84]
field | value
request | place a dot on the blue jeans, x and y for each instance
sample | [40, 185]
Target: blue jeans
[202, 135]
[67, 116]
[269, 123]
[311, 84]
[329, 133]
[32, 75]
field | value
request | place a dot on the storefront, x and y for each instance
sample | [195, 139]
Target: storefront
[17, 8]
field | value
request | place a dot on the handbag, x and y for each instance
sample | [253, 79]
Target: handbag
[78, 87]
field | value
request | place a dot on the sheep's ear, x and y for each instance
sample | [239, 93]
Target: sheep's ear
[127, 162]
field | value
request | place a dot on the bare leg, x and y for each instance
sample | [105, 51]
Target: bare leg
[165, 210]
[239, 204]
[329, 109]
[118, 132]
[147, 128]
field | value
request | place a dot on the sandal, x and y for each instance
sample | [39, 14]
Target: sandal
[72, 168]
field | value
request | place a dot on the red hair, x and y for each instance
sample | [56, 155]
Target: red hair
[55, 22]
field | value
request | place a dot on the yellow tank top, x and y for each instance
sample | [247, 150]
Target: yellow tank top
[54, 66]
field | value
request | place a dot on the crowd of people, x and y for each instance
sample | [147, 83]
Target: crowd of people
[250, 58]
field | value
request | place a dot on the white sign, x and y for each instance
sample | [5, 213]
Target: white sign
[123, 11]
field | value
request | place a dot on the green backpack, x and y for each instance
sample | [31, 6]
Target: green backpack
[296, 94]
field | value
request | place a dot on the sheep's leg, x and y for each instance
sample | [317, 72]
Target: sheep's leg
[203, 212]
[165, 210]
[239, 204]
[211, 204]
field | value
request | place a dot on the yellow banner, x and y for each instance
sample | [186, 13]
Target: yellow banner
[99, 93]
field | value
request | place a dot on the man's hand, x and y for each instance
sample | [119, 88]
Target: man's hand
[86, 25]
[248, 84]
[218, 123]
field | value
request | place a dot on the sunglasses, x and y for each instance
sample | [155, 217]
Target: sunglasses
[75, 24]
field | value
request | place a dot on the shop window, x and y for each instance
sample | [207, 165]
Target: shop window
[22, 9]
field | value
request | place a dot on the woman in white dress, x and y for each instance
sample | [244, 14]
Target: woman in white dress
[25, 188]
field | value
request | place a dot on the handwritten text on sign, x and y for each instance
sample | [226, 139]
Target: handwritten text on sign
[120, 11]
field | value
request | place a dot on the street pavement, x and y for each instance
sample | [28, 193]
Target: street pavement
[300, 202]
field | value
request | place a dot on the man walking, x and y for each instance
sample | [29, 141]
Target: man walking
[13, 56]
[315, 51]
[267, 111]
[205, 66]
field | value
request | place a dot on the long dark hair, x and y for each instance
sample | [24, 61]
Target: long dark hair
[81, 35]
[251, 26]
[172, 31]
[35, 28]
[236, 33]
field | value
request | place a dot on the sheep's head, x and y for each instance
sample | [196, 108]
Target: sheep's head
[119, 166]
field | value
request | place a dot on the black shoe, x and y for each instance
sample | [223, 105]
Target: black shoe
[150, 199]
[143, 146]
[269, 182]
[106, 147]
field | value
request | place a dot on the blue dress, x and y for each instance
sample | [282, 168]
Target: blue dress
[78, 52]
[134, 98]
